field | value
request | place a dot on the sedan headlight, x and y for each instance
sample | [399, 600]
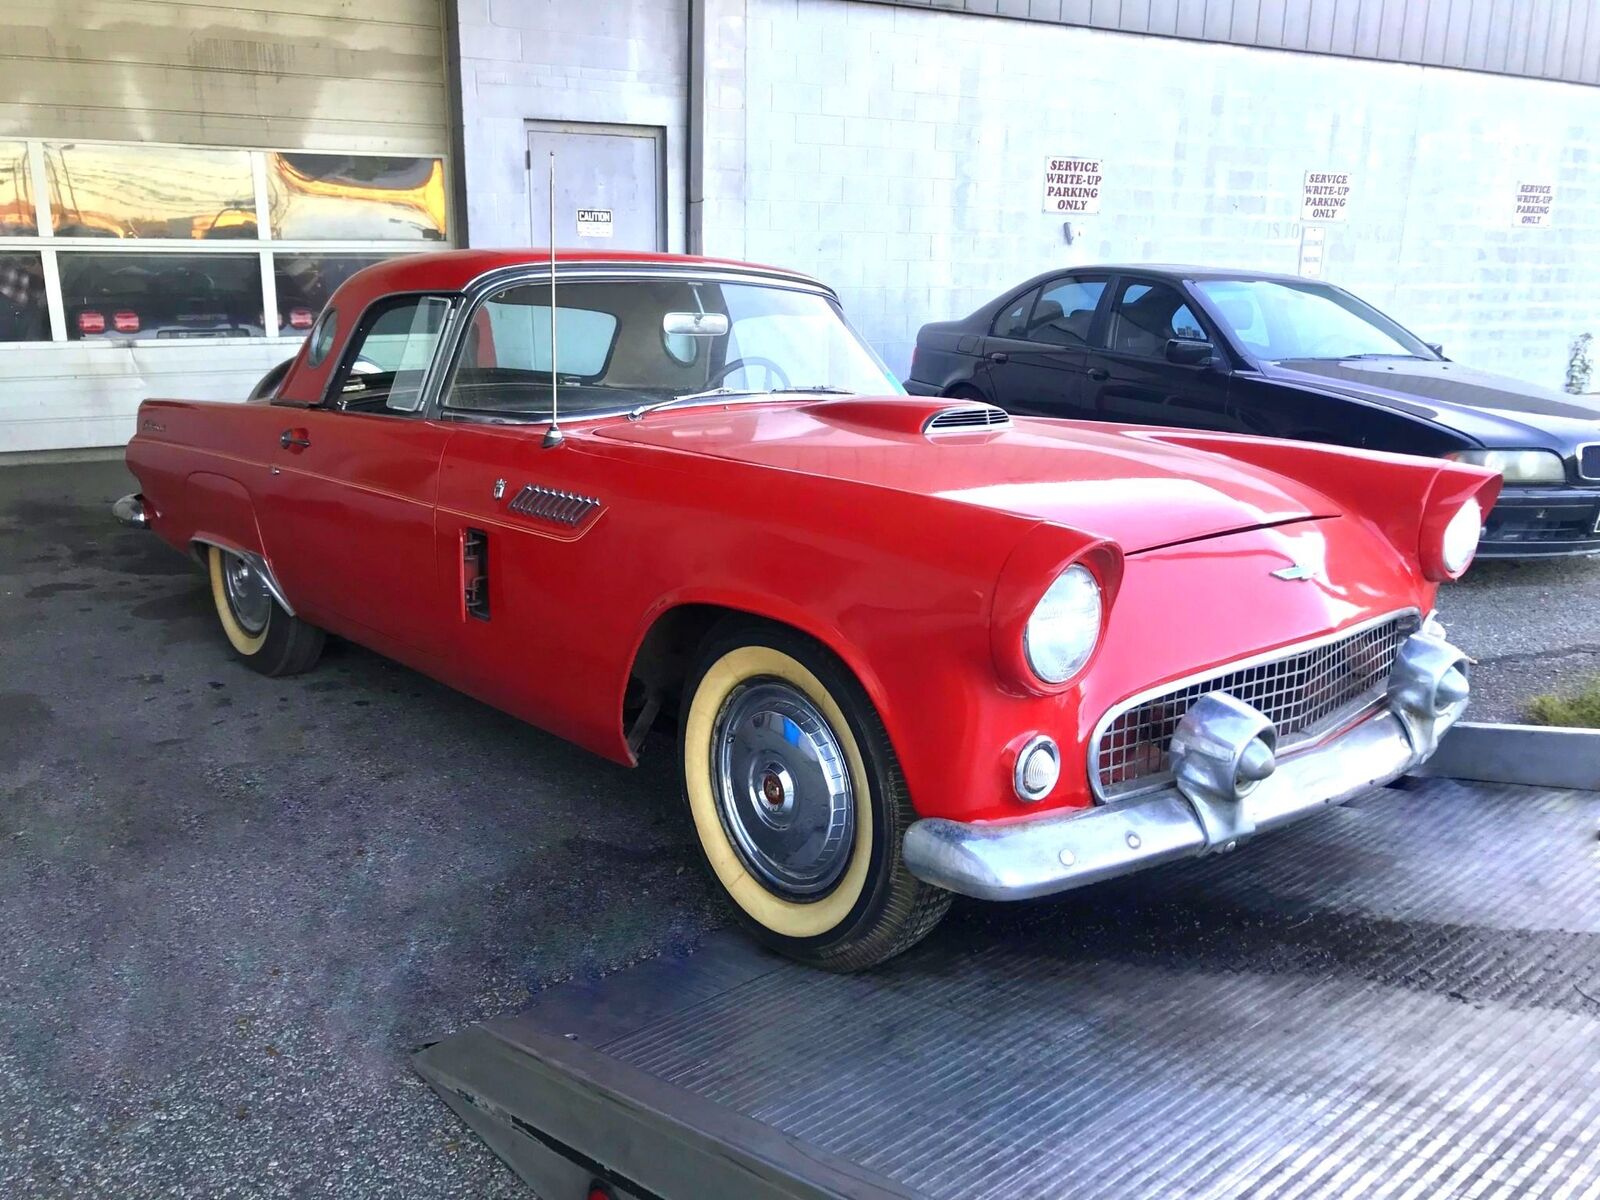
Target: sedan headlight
[1061, 634]
[1460, 541]
[1517, 466]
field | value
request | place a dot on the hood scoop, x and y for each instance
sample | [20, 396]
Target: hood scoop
[911, 415]
[969, 418]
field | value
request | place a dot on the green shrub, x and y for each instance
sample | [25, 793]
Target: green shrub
[1581, 708]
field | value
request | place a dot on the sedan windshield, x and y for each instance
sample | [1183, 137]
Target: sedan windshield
[631, 344]
[1279, 320]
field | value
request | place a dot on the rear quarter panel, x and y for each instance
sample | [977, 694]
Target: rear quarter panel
[201, 466]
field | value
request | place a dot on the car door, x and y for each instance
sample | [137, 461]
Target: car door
[1037, 350]
[1130, 375]
[349, 519]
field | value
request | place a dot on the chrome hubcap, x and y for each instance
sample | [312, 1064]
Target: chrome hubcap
[248, 597]
[783, 789]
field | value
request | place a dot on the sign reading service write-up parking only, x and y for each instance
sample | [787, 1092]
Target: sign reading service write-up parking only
[594, 222]
[1072, 185]
[1326, 197]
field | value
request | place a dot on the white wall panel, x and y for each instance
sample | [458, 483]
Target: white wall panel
[898, 153]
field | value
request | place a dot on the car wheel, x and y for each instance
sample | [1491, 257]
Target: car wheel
[265, 635]
[798, 801]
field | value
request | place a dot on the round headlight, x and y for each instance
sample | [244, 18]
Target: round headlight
[1460, 541]
[1065, 625]
[1517, 466]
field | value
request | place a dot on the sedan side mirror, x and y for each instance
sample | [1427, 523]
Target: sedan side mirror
[1187, 352]
[1436, 347]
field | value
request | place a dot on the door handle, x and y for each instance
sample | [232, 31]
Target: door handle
[294, 438]
[999, 356]
[1099, 374]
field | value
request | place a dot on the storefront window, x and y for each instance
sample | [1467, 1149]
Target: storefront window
[305, 281]
[23, 314]
[17, 215]
[351, 197]
[159, 296]
[113, 191]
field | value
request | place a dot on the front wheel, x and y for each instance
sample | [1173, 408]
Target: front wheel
[798, 801]
[257, 626]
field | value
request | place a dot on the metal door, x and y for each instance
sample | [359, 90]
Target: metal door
[609, 193]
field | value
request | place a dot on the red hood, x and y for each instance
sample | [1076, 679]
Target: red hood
[1103, 479]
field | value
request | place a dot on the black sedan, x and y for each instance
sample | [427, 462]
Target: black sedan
[1280, 356]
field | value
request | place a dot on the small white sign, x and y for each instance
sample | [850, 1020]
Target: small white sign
[1313, 239]
[1325, 197]
[1072, 185]
[1533, 203]
[594, 222]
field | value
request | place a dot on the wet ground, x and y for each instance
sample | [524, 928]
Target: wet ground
[233, 906]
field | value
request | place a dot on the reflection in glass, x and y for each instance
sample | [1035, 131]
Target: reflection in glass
[17, 216]
[356, 197]
[305, 281]
[161, 296]
[23, 314]
[150, 191]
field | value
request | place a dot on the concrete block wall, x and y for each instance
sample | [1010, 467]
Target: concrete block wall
[600, 61]
[899, 154]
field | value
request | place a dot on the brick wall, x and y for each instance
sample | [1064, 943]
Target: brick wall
[899, 154]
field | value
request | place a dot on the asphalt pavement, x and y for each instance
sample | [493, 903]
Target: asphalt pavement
[233, 906]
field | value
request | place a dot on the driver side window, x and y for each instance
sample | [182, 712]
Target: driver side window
[387, 363]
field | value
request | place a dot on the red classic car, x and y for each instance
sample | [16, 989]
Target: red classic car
[911, 646]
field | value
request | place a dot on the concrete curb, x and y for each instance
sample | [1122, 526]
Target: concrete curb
[1538, 755]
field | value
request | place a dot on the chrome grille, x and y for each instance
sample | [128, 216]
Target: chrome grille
[1302, 693]
[567, 509]
[1589, 460]
[965, 420]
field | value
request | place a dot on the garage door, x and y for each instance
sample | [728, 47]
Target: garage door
[182, 185]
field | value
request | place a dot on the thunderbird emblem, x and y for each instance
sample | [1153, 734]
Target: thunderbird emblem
[1293, 572]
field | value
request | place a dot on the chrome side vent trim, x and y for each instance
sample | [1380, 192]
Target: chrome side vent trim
[567, 509]
[974, 418]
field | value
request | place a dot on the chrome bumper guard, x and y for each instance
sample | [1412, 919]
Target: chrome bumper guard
[130, 511]
[1228, 786]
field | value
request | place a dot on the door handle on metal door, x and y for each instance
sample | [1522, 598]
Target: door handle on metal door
[294, 438]
[999, 356]
[1099, 374]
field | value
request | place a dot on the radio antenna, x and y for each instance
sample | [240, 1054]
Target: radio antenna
[553, 436]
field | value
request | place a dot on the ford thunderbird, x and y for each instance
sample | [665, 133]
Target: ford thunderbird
[910, 646]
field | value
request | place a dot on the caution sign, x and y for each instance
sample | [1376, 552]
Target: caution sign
[1326, 197]
[1532, 208]
[594, 222]
[1072, 185]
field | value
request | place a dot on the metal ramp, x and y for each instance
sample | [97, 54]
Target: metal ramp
[1397, 998]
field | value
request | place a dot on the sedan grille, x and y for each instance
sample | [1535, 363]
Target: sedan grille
[1303, 693]
[1589, 461]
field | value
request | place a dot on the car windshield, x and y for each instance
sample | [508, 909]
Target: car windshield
[630, 344]
[1278, 320]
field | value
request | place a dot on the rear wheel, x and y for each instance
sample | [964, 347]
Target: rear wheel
[798, 801]
[257, 626]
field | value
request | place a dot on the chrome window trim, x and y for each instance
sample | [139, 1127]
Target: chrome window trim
[478, 291]
[1577, 461]
[1341, 719]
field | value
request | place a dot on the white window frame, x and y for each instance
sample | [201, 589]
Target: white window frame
[49, 246]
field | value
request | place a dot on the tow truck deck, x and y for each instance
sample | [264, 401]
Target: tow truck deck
[1397, 998]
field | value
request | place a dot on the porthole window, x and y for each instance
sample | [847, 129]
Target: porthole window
[322, 338]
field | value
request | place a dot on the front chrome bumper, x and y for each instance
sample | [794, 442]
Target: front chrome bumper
[1035, 856]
